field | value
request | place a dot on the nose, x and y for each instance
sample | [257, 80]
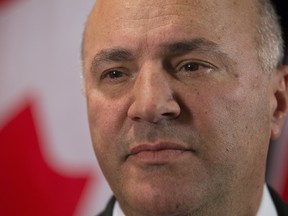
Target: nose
[153, 97]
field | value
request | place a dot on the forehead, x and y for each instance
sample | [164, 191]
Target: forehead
[149, 22]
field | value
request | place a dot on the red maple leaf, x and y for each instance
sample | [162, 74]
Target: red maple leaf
[28, 186]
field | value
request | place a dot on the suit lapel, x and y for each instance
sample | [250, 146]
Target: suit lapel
[109, 208]
[281, 207]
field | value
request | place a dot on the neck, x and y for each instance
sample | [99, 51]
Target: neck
[243, 202]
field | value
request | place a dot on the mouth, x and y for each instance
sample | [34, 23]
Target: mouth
[159, 153]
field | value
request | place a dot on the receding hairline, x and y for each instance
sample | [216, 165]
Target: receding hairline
[260, 43]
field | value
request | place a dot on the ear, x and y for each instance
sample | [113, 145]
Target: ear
[280, 108]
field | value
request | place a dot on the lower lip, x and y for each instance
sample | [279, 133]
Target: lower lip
[158, 157]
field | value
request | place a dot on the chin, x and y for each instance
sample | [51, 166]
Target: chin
[158, 202]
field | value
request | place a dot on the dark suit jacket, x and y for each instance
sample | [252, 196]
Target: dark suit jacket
[109, 208]
[281, 207]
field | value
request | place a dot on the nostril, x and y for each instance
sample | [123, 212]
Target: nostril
[154, 108]
[169, 115]
[136, 118]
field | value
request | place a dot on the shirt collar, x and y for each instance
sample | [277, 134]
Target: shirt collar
[117, 211]
[267, 207]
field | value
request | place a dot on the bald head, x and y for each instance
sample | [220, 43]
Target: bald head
[268, 34]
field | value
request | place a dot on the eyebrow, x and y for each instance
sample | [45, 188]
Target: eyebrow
[198, 44]
[111, 55]
[177, 48]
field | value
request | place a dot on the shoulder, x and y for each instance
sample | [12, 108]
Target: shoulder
[281, 206]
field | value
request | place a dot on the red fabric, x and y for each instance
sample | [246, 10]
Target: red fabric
[4, 3]
[28, 186]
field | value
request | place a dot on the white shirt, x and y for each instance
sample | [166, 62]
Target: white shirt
[267, 207]
[117, 211]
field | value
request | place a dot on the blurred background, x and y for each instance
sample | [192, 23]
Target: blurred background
[47, 164]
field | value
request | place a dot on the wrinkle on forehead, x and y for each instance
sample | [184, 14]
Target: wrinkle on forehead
[150, 14]
[137, 10]
[158, 20]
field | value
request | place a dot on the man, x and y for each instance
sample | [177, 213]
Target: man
[183, 98]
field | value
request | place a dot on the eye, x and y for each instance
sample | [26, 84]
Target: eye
[191, 67]
[112, 74]
[194, 66]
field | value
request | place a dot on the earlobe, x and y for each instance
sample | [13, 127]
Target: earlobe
[280, 109]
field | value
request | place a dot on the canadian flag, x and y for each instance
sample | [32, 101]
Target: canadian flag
[47, 163]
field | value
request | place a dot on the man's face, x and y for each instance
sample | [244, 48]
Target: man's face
[179, 108]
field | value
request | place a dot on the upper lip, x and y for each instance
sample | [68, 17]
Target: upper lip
[158, 147]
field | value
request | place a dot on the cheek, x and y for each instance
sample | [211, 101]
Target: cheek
[105, 120]
[233, 121]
